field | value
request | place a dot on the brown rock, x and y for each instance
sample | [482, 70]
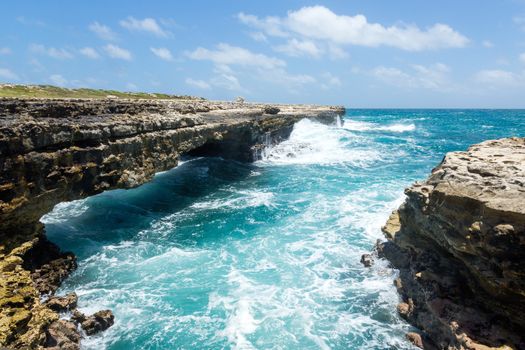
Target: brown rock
[62, 335]
[415, 339]
[62, 304]
[458, 244]
[98, 322]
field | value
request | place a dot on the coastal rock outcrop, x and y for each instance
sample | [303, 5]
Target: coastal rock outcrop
[459, 244]
[55, 150]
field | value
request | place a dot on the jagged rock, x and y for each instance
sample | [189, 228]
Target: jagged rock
[62, 335]
[367, 260]
[271, 110]
[458, 242]
[98, 322]
[62, 304]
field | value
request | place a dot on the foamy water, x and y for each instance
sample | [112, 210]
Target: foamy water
[222, 255]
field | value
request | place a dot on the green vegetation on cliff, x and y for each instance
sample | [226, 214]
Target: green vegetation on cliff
[49, 91]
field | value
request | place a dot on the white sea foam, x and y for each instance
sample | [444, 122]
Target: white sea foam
[354, 125]
[65, 211]
[240, 200]
[314, 143]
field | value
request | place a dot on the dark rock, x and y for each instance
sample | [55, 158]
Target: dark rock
[367, 260]
[62, 304]
[271, 110]
[62, 335]
[98, 322]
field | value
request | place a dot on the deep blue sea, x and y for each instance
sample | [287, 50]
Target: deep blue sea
[217, 254]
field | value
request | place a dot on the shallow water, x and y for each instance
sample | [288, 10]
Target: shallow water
[216, 254]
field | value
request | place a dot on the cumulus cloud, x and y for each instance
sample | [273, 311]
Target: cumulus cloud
[58, 80]
[498, 77]
[5, 51]
[89, 52]
[117, 52]
[162, 53]
[322, 24]
[522, 58]
[433, 77]
[226, 54]
[148, 25]
[52, 52]
[102, 31]
[7, 74]
[201, 84]
[297, 48]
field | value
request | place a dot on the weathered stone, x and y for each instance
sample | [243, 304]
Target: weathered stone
[98, 322]
[62, 335]
[62, 304]
[458, 241]
[271, 110]
[415, 338]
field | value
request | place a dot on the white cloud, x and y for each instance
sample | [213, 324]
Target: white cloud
[115, 51]
[434, 77]
[328, 81]
[149, 25]
[228, 82]
[201, 84]
[104, 32]
[8, 74]
[258, 36]
[488, 44]
[296, 48]
[89, 52]
[58, 80]
[320, 23]
[53, 52]
[522, 58]
[232, 55]
[162, 53]
[497, 77]
[5, 51]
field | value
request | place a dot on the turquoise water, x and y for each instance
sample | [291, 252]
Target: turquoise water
[216, 254]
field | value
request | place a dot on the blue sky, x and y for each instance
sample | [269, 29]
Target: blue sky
[357, 53]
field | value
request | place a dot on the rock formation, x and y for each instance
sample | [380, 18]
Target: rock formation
[459, 244]
[66, 149]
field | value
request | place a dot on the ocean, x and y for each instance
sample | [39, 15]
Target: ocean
[216, 254]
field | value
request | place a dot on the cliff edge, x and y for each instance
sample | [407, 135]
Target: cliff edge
[459, 244]
[55, 150]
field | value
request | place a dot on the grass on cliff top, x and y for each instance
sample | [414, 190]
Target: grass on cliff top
[49, 91]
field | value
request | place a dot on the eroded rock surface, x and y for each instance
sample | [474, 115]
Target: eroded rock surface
[55, 150]
[459, 243]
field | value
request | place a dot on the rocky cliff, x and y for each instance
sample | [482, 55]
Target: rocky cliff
[65, 149]
[459, 244]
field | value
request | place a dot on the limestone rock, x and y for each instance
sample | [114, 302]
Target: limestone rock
[62, 304]
[98, 322]
[62, 335]
[459, 243]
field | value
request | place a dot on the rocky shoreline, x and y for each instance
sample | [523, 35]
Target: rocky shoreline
[459, 244]
[54, 150]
